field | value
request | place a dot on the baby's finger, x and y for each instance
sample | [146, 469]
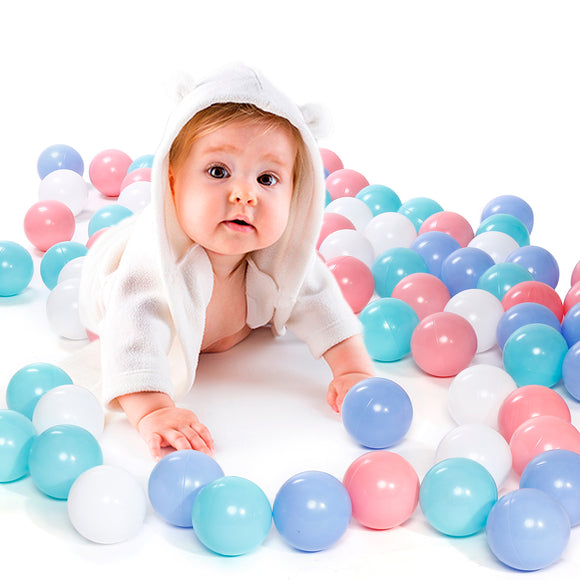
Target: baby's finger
[197, 441]
[204, 433]
[331, 399]
[154, 445]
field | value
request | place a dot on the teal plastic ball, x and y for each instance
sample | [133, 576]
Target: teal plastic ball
[16, 268]
[393, 265]
[56, 257]
[16, 436]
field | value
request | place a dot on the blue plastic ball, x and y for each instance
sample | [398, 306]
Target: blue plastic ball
[463, 268]
[418, 209]
[59, 157]
[16, 436]
[231, 516]
[175, 482]
[379, 198]
[527, 529]
[377, 413]
[571, 371]
[557, 472]
[521, 314]
[512, 205]
[501, 277]
[59, 455]
[392, 266]
[29, 383]
[434, 248]
[387, 327]
[108, 215]
[456, 496]
[312, 511]
[56, 258]
[534, 355]
[141, 162]
[540, 263]
[571, 325]
[16, 268]
[507, 224]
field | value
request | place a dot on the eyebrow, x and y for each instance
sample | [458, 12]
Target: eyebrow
[227, 148]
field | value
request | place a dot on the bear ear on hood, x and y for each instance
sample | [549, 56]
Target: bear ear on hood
[183, 85]
[318, 120]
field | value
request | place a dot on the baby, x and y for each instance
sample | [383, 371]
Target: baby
[227, 245]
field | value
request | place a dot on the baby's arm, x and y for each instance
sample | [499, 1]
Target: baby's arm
[163, 425]
[349, 363]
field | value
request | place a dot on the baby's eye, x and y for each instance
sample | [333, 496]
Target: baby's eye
[267, 179]
[218, 172]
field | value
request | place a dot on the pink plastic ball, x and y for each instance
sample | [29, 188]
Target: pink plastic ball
[424, 293]
[95, 237]
[534, 291]
[141, 174]
[330, 160]
[526, 403]
[383, 488]
[332, 222]
[540, 434]
[572, 297]
[355, 280]
[450, 223]
[49, 222]
[575, 275]
[443, 344]
[345, 183]
[107, 171]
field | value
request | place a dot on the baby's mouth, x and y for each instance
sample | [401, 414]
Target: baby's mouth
[239, 225]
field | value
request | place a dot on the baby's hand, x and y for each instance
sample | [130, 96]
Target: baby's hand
[172, 428]
[340, 386]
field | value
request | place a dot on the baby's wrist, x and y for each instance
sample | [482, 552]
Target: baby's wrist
[139, 405]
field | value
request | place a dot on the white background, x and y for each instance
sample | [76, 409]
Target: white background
[457, 101]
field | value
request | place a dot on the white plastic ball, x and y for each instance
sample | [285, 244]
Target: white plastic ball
[69, 405]
[390, 230]
[480, 443]
[107, 505]
[135, 196]
[497, 244]
[476, 394]
[482, 310]
[62, 310]
[347, 243]
[66, 186]
[352, 208]
[72, 269]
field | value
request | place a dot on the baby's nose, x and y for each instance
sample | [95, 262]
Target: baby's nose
[243, 194]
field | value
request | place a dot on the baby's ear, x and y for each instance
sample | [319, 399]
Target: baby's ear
[184, 84]
[318, 120]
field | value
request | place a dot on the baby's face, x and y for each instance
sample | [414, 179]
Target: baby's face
[233, 191]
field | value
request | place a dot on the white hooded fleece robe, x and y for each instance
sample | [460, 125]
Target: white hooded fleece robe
[146, 286]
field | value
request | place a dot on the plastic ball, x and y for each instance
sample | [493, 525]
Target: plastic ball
[383, 488]
[387, 327]
[443, 344]
[526, 403]
[16, 436]
[345, 183]
[107, 505]
[507, 224]
[481, 443]
[330, 160]
[498, 245]
[520, 315]
[502, 277]
[476, 394]
[434, 248]
[379, 198]
[107, 171]
[540, 434]
[16, 268]
[571, 371]
[463, 268]
[425, 293]
[312, 511]
[540, 263]
[532, 291]
[71, 270]
[58, 157]
[136, 196]
[62, 310]
[175, 482]
[108, 215]
[231, 516]
[390, 230]
[456, 496]
[332, 222]
[56, 257]
[450, 223]
[482, 310]
[392, 266]
[31, 382]
[347, 243]
[355, 210]
[141, 162]
[67, 187]
[377, 413]
[556, 472]
[354, 279]
[572, 297]
[47, 223]
[69, 405]
[95, 237]
[575, 277]
[418, 209]
[136, 176]
[512, 205]
[59, 455]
